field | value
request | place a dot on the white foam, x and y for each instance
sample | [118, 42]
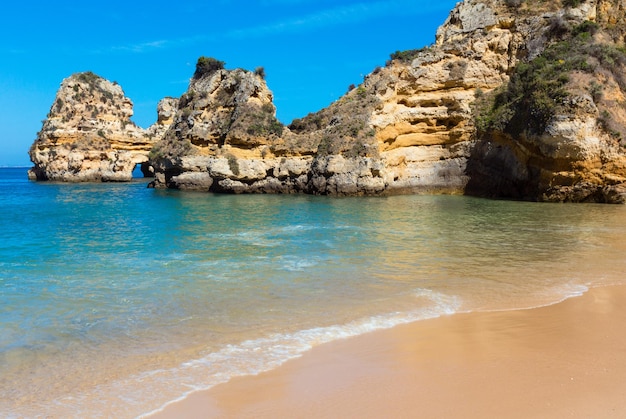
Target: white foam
[294, 264]
[552, 296]
[258, 355]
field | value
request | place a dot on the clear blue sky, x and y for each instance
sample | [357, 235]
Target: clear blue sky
[312, 50]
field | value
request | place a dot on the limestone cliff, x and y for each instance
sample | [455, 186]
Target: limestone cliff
[222, 134]
[406, 128]
[516, 98]
[88, 134]
[410, 126]
[556, 131]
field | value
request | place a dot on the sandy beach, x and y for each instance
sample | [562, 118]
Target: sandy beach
[565, 360]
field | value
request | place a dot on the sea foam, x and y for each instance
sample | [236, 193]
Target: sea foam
[254, 356]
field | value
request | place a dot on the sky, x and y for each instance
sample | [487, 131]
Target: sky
[312, 50]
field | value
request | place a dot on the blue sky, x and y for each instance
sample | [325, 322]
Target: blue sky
[312, 50]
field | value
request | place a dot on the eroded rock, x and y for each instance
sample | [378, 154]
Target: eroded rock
[89, 136]
[410, 127]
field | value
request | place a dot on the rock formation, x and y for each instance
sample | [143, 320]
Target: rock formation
[410, 126]
[516, 98]
[556, 131]
[88, 134]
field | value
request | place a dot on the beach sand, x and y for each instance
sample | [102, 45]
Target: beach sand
[565, 360]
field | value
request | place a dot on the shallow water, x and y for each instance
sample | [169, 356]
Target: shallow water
[115, 298]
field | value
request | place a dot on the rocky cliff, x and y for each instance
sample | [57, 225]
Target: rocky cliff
[516, 98]
[556, 131]
[407, 128]
[411, 126]
[88, 134]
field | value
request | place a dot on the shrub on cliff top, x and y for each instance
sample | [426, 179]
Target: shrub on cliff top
[260, 71]
[87, 77]
[207, 65]
[404, 56]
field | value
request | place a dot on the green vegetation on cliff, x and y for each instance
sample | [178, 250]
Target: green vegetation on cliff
[88, 77]
[537, 89]
[264, 123]
[405, 56]
[207, 65]
[343, 127]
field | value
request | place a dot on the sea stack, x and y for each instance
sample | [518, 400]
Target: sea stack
[88, 134]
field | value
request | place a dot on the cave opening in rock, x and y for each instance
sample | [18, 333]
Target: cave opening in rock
[143, 170]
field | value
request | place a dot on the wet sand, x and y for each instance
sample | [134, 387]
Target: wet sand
[565, 360]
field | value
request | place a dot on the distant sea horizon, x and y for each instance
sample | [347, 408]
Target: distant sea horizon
[116, 299]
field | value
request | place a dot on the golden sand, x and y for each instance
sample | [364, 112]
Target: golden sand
[565, 360]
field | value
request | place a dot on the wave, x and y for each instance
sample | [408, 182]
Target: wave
[555, 295]
[252, 357]
[134, 395]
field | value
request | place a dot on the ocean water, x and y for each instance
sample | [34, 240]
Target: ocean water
[116, 299]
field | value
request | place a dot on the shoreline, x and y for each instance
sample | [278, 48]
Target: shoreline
[557, 360]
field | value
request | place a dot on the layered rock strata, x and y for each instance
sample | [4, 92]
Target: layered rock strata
[409, 127]
[556, 132]
[88, 134]
[443, 119]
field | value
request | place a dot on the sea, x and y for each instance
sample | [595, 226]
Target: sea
[117, 299]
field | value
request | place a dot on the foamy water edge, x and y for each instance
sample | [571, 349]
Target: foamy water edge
[273, 351]
[306, 340]
[126, 397]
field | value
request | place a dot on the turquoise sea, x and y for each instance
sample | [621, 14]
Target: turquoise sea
[116, 299]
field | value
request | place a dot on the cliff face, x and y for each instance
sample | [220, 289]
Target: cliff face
[409, 127]
[556, 131]
[226, 138]
[88, 134]
[221, 135]
[516, 98]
